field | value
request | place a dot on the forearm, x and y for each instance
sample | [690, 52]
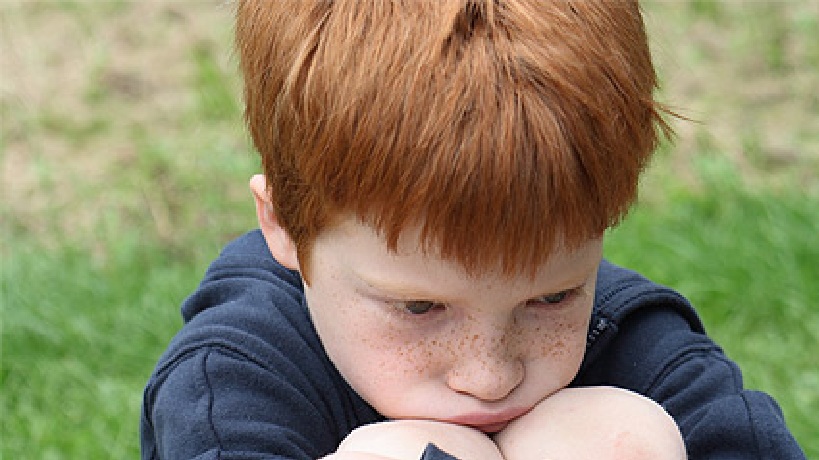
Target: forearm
[407, 440]
[593, 423]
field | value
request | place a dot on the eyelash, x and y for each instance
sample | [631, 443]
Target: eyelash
[427, 306]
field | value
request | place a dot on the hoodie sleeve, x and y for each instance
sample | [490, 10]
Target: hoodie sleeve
[651, 342]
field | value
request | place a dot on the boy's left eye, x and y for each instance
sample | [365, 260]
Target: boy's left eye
[552, 299]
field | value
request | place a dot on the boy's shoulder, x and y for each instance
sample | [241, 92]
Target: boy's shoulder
[246, 302]
[244, 269]
[636, 320]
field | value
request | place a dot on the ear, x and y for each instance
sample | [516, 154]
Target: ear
[278, 240]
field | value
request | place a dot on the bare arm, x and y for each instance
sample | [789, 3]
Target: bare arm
[594, 423]
[407, 439]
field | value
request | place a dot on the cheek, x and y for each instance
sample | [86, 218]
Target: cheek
[560, 339]
[418, 352]
[389, 369]
[428, 356]
[364, 342]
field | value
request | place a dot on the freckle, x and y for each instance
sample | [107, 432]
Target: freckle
[556, 350]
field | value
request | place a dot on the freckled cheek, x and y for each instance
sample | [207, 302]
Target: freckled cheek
[364, 352]
[380, 345]
[407, 355]
[563, 338]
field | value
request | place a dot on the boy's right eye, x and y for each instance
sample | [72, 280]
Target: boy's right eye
[419, 307]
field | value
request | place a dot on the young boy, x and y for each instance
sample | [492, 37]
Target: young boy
[428, 276]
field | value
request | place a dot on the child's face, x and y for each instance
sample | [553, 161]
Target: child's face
[417, 337]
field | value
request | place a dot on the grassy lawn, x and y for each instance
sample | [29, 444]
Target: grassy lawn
[124, 163]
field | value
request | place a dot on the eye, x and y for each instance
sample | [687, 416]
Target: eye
[420, 307]
[553, 299]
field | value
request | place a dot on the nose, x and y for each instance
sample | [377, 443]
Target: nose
[489, 376]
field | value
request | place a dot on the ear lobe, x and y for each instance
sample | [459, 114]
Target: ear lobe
[278, 240]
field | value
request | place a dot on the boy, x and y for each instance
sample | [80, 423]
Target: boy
[427, 278]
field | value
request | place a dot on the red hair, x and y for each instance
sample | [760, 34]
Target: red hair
[502, 128]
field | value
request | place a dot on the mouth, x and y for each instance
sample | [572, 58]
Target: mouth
[492, 428]
[489, 423]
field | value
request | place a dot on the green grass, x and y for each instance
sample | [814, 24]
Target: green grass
[78, 340]
[124, 171]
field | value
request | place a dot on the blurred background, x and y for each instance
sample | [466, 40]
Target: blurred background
[124, 164]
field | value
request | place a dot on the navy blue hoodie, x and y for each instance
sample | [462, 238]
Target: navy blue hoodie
[248, 378]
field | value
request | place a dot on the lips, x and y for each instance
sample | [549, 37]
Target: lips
[493, 428]
[488, 422]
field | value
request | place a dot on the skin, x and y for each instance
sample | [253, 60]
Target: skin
[594, 423]
[487, 350]
[456, 359]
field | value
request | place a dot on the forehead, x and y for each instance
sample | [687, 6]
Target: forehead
[359, 251]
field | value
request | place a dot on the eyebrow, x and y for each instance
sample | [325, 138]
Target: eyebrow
[397, 291]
